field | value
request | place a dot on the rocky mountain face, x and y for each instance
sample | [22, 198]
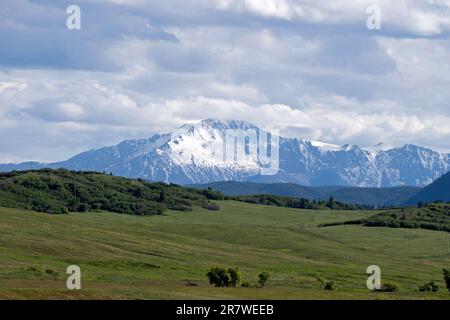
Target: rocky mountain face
[201, 153]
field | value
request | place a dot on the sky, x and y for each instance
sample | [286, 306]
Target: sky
[312, 69]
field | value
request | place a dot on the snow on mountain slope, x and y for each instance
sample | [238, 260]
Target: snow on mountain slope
[325, 147]
[201, 153]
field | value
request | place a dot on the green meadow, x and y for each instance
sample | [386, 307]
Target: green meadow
[167, 256]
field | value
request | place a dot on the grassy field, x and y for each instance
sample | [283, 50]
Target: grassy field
[131, 257]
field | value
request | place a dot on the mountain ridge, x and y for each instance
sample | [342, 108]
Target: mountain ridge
[189, 155]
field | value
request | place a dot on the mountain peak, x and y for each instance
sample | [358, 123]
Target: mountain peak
[199, 153]
[379, 147]
[221, 125]
[414, 148]
[350, 147]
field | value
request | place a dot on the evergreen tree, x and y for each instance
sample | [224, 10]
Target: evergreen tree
[331, 203]
[162, 196]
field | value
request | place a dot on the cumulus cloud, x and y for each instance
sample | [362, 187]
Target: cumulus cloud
[310, 68]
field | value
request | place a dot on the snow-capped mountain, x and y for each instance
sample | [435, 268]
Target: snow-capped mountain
[201, 153]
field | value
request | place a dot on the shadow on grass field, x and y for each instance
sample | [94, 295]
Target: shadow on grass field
[154, 257]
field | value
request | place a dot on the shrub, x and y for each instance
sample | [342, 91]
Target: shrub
[213, 195]
[446, 273]
[388, 287]
[329, 285]
[262, 279]
[235, 276]
[429, 287]
[212, 207]
[63, 210]
[51, 272]
[219, 277]
[34, 269]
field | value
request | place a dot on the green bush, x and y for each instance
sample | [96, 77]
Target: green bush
[212, 207]
[235, 276]
[50, 271]
[329, 285]
[219, 277]
[213, 195]
[262, 279]
[34, 269]
[446, 273]
[388, 287]
[429, 287]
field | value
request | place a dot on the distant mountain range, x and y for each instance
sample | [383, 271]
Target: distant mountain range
[187, 156]
[378, 197]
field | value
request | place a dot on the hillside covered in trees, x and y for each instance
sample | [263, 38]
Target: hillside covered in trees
[439, 190]
[298, 203]
[62, 191]
[434, 216]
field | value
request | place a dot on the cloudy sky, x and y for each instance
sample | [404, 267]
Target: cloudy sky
[311, 68]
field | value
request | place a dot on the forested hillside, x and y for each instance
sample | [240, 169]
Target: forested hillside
[435, 216]
[63, 191]
[437, 191]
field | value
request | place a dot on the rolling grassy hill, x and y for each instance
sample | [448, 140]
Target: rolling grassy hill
[153, 257]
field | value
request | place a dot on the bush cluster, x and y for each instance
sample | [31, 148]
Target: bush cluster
[222, 277]
[429, 287]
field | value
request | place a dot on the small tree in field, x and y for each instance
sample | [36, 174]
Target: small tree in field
[262, 279]
[219, 277]
[235, 276]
